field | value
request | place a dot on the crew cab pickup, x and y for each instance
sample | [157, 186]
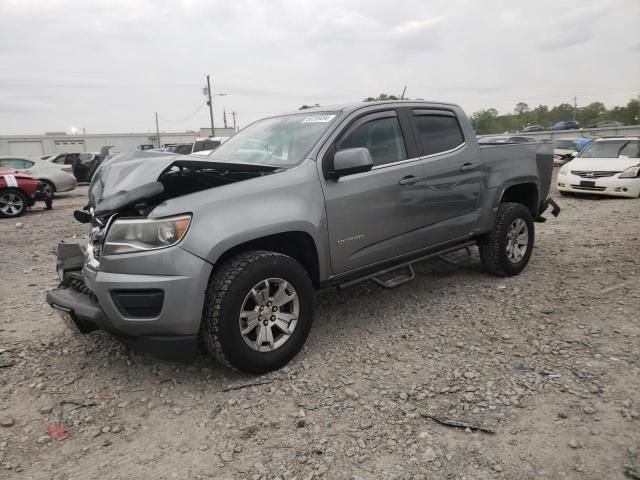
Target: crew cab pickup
[231, 247]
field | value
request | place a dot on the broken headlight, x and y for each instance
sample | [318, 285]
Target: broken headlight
[139, 235]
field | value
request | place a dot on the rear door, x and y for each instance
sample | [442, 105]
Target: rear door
[376, 215]
[453, 175]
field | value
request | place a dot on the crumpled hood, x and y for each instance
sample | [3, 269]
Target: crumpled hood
[125, 172]
[602, 164]
[134, 176]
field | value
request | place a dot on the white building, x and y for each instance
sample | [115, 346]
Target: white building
[59, 142]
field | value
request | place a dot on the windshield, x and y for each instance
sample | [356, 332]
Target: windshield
[565, 144]
[279, 141]
[612, 149]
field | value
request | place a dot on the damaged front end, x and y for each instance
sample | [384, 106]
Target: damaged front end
[127, 188]
[135, 182]
[139, 298]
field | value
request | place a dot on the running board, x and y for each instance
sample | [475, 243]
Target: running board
[395, 281]
[409, 275]
[456, 262]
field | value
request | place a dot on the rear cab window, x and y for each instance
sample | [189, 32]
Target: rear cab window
[438, 131]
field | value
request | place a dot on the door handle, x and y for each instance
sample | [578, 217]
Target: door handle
[409, 180]
[468, 167]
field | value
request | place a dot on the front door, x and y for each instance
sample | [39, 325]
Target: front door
[376, 215]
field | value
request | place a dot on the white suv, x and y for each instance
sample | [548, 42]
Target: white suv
[608, 166]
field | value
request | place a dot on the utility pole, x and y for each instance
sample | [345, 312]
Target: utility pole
[157, 130]
[213, 132]
[575, 107]
[233, 114]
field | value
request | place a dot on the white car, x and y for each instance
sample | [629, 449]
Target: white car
[54, 177]
[608, 166]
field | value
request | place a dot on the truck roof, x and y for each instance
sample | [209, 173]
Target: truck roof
[350, 107]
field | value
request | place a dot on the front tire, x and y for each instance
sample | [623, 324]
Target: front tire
[505, 251]
[13, 203]
[258, 311]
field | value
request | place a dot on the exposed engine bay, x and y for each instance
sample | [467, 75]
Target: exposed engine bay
[132, 184]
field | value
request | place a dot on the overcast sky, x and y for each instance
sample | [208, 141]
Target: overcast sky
[107, 66]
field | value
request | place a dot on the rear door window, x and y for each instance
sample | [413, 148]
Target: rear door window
[437, 132]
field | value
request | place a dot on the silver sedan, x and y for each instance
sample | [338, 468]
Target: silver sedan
[54, 177]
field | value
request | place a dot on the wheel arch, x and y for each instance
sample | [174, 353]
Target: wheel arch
[298, 245]
[525, 193]
[49, 181]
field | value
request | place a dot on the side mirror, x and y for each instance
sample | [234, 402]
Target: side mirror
[350, 161]
[574, 154]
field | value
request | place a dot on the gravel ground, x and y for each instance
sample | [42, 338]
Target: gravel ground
[549, 360]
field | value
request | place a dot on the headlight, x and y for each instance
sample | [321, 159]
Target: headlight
[133, 235]
[564, 169]
[631, 172]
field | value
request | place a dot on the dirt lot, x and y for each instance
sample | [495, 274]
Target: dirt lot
[549, 359]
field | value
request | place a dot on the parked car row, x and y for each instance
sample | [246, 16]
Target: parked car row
[607, 166]
[506, 139]
[55, 178]
[571, 125]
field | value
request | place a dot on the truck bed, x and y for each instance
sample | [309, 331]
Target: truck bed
[520, 160]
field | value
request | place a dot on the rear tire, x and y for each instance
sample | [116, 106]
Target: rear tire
[251, 284]
[505, 251]
[13, 203]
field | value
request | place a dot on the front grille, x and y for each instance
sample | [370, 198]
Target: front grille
[592, 189]
[593, 174]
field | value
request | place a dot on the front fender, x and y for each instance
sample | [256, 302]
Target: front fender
[230, 215]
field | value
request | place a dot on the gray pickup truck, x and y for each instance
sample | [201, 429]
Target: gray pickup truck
[230, 248]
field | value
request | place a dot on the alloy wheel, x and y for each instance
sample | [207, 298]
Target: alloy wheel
[269, 315]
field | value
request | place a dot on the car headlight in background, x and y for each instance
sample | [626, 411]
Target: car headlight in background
[139, 235]
[631, 172]
[564, 169]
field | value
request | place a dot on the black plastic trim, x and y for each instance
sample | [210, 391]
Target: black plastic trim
[138, 303]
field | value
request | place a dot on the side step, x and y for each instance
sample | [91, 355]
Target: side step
[409, 273]
[397, 280]
[456, 262]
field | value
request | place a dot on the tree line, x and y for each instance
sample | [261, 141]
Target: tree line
[490, 121]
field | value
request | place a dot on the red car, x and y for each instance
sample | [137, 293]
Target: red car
[18, 191]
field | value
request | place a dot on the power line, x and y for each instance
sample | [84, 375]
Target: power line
[188, 117]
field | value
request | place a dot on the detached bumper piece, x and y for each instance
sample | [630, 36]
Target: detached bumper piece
[555, 210]
[78, 307]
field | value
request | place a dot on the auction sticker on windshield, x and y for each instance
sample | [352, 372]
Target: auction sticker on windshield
[318, 118]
